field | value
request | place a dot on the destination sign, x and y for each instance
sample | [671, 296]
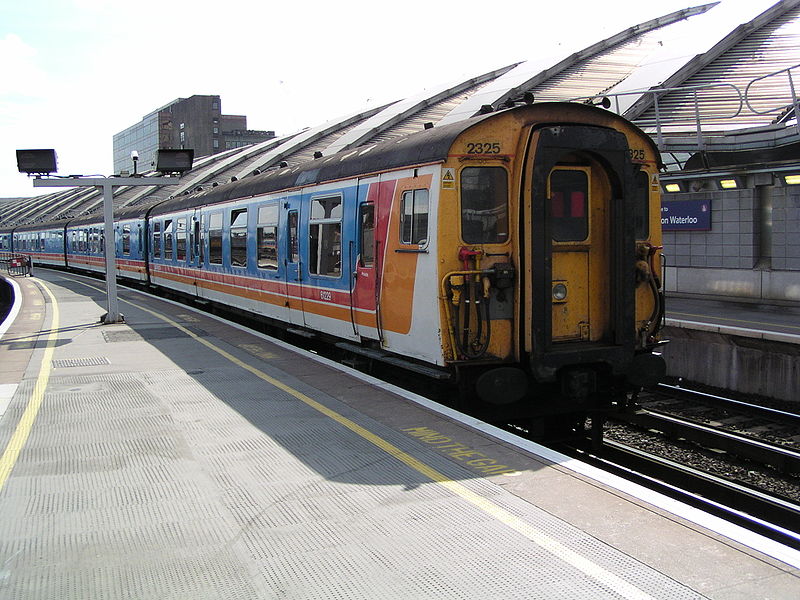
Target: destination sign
[686, 215]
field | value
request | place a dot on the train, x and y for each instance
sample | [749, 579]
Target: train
[515, 254]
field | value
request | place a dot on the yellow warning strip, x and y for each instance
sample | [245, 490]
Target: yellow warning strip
[23, 430]
[617, 584]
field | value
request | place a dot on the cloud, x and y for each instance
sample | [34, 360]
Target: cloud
[20, 75]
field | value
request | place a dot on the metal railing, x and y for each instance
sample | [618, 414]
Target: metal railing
[783, 108]
[16, 264]
[708, 105]
[655, 93]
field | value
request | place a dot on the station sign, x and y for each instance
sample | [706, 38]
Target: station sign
[685, 215]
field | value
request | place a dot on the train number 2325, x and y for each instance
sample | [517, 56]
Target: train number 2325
[483, 148]
[636, 154]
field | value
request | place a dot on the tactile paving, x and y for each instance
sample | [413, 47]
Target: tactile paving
[193, 478]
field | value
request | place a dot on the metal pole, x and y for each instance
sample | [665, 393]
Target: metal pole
[106, 184]
[110, 246]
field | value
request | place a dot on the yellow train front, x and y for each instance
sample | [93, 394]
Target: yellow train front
[549, 266]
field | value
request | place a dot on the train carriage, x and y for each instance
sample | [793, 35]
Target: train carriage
[129, 243]
[84, 242]
[43, 243]
[516, 253]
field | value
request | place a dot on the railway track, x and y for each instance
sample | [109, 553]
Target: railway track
[780, 458]
[773, 517]
[786, 417]
[699, 459]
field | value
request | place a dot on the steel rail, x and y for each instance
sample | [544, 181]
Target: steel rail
[782, 459]
[757, 511]
[729, 403]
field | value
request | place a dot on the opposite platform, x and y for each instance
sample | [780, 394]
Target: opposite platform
[176, 456]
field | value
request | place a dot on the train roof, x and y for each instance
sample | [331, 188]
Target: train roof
[424, 147]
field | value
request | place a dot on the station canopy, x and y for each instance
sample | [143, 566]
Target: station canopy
[729, 67]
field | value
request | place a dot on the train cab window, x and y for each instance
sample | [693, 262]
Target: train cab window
[157, 240]
[126, 240]
[215, 238]
[168, 231]
[414, 217]
[569, 210]
[484, 205]
[642, 206]
[180, 239]
[325, 236]
[267, 237]
[239, 238]
[366, 250]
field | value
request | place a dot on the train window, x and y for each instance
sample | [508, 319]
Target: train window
[324, 234]
[366, 251]
[199, 239]
[294, 246]
[180, 239]
[642, 206]
[414, 217]
[157, 239]
[215, 239]
[484, 205]
[267, 237]
[569, 211]
[126, 240]
[168, 231]
[239, 238]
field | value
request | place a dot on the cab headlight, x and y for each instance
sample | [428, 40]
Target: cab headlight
[559, 292]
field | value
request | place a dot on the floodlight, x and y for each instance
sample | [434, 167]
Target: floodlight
[672, 187]
[174, 160]
[792, 179]
[730, 183]
[36, 162]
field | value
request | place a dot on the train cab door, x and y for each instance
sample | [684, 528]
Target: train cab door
[364, 284]
[293, 271]
[579, 240]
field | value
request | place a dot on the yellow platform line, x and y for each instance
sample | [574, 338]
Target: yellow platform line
[23, 430]
[610, 580]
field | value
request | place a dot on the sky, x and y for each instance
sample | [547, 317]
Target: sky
[75, 72]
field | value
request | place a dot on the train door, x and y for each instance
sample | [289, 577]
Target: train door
[293, 272]
[577, 200]
[364, 286]
[578, 227]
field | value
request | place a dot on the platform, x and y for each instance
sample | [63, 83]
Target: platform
[177, 456]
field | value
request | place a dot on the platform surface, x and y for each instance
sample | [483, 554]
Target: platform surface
[176, 456]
